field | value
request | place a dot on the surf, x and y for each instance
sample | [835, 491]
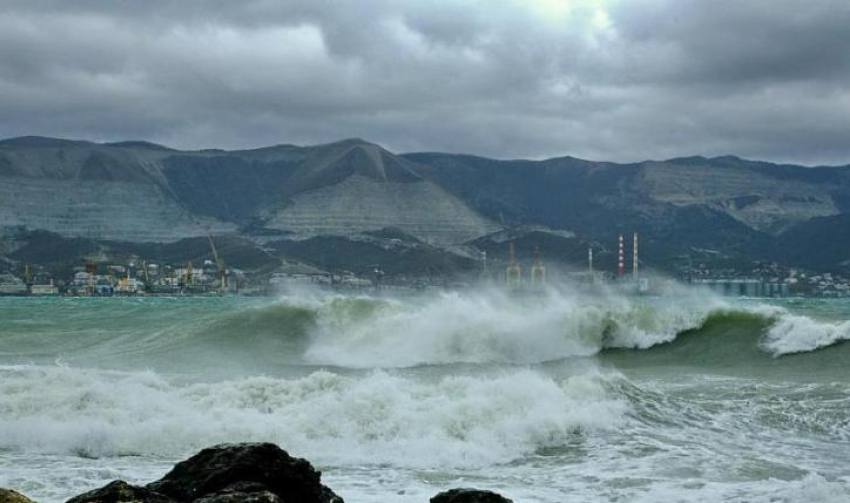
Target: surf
[460, 421]
[443, 328]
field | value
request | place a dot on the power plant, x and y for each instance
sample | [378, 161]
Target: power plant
[621, 259]
[537, 277]
[641, 284]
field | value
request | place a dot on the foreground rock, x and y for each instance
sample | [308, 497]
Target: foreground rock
[469, 496]
[228, 470]
[242, 493]
[10, 496]
[238, 473]
[119, 491]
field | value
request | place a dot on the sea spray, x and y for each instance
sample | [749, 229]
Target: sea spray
[460, 421]
[590, 396]
[799, 334]
[491, 326]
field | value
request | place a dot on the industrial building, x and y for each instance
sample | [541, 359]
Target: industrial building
[739, 287]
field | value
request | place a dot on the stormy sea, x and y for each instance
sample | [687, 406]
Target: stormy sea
[558, 397]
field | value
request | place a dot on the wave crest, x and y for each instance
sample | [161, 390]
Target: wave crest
[491, 327]
[799, 334]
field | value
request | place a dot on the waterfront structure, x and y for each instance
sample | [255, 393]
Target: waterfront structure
[222, 268]
[538, 271]
[513, 273]
[129, 286]
[44, 289]
[12, 285]
[744, 287]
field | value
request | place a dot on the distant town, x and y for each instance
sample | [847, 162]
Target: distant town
[211, 277]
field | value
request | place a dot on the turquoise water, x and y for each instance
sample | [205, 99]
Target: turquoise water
[559, 398]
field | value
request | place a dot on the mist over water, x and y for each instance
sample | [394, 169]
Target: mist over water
[562, 396]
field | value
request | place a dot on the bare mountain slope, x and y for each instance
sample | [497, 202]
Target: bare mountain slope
[81, 189]
[757, 199]
[737, 208]
[141, 192]
[353, 187]
[138, 192]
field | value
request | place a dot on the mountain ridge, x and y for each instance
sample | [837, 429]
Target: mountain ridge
[46, 140]
[141, 192]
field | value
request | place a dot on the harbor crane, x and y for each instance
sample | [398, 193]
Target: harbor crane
[147, 276]
[222, 270]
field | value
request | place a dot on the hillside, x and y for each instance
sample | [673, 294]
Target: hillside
[285, 201]
[741, 209]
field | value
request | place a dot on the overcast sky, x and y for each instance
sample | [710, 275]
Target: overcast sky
[620, 80]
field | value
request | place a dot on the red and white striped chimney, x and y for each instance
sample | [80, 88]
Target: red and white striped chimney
[621, 264]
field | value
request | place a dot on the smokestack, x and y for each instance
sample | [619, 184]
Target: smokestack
[590, 264]
[621, 264]
[635, 258]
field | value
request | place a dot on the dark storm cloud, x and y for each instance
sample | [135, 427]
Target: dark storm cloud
[603, 79]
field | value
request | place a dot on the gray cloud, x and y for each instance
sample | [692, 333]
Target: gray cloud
[601, 79]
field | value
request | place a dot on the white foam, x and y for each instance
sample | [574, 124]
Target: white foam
[797, 334]
[808, 489]
[461, 421]
[813, 487]
[488, 327]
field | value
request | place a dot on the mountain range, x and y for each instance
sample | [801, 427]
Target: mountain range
[353, 205]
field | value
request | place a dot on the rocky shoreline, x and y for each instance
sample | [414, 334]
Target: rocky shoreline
[239, 473]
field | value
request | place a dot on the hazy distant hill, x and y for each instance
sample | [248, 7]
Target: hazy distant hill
[285, 201]
[739, 208]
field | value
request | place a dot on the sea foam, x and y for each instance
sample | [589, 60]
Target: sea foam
[491, 327]
[798, 334]
[377, 418]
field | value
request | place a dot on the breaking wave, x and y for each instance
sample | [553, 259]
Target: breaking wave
[491, 327]
[378, 418]
[451, 328]
[432, 383]
[363, 332]
[800, 334]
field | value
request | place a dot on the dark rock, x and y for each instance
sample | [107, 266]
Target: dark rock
[228, 473]
[11, 496]
[237, 497]
[242, 492]
[469, 496]
[119, 491]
